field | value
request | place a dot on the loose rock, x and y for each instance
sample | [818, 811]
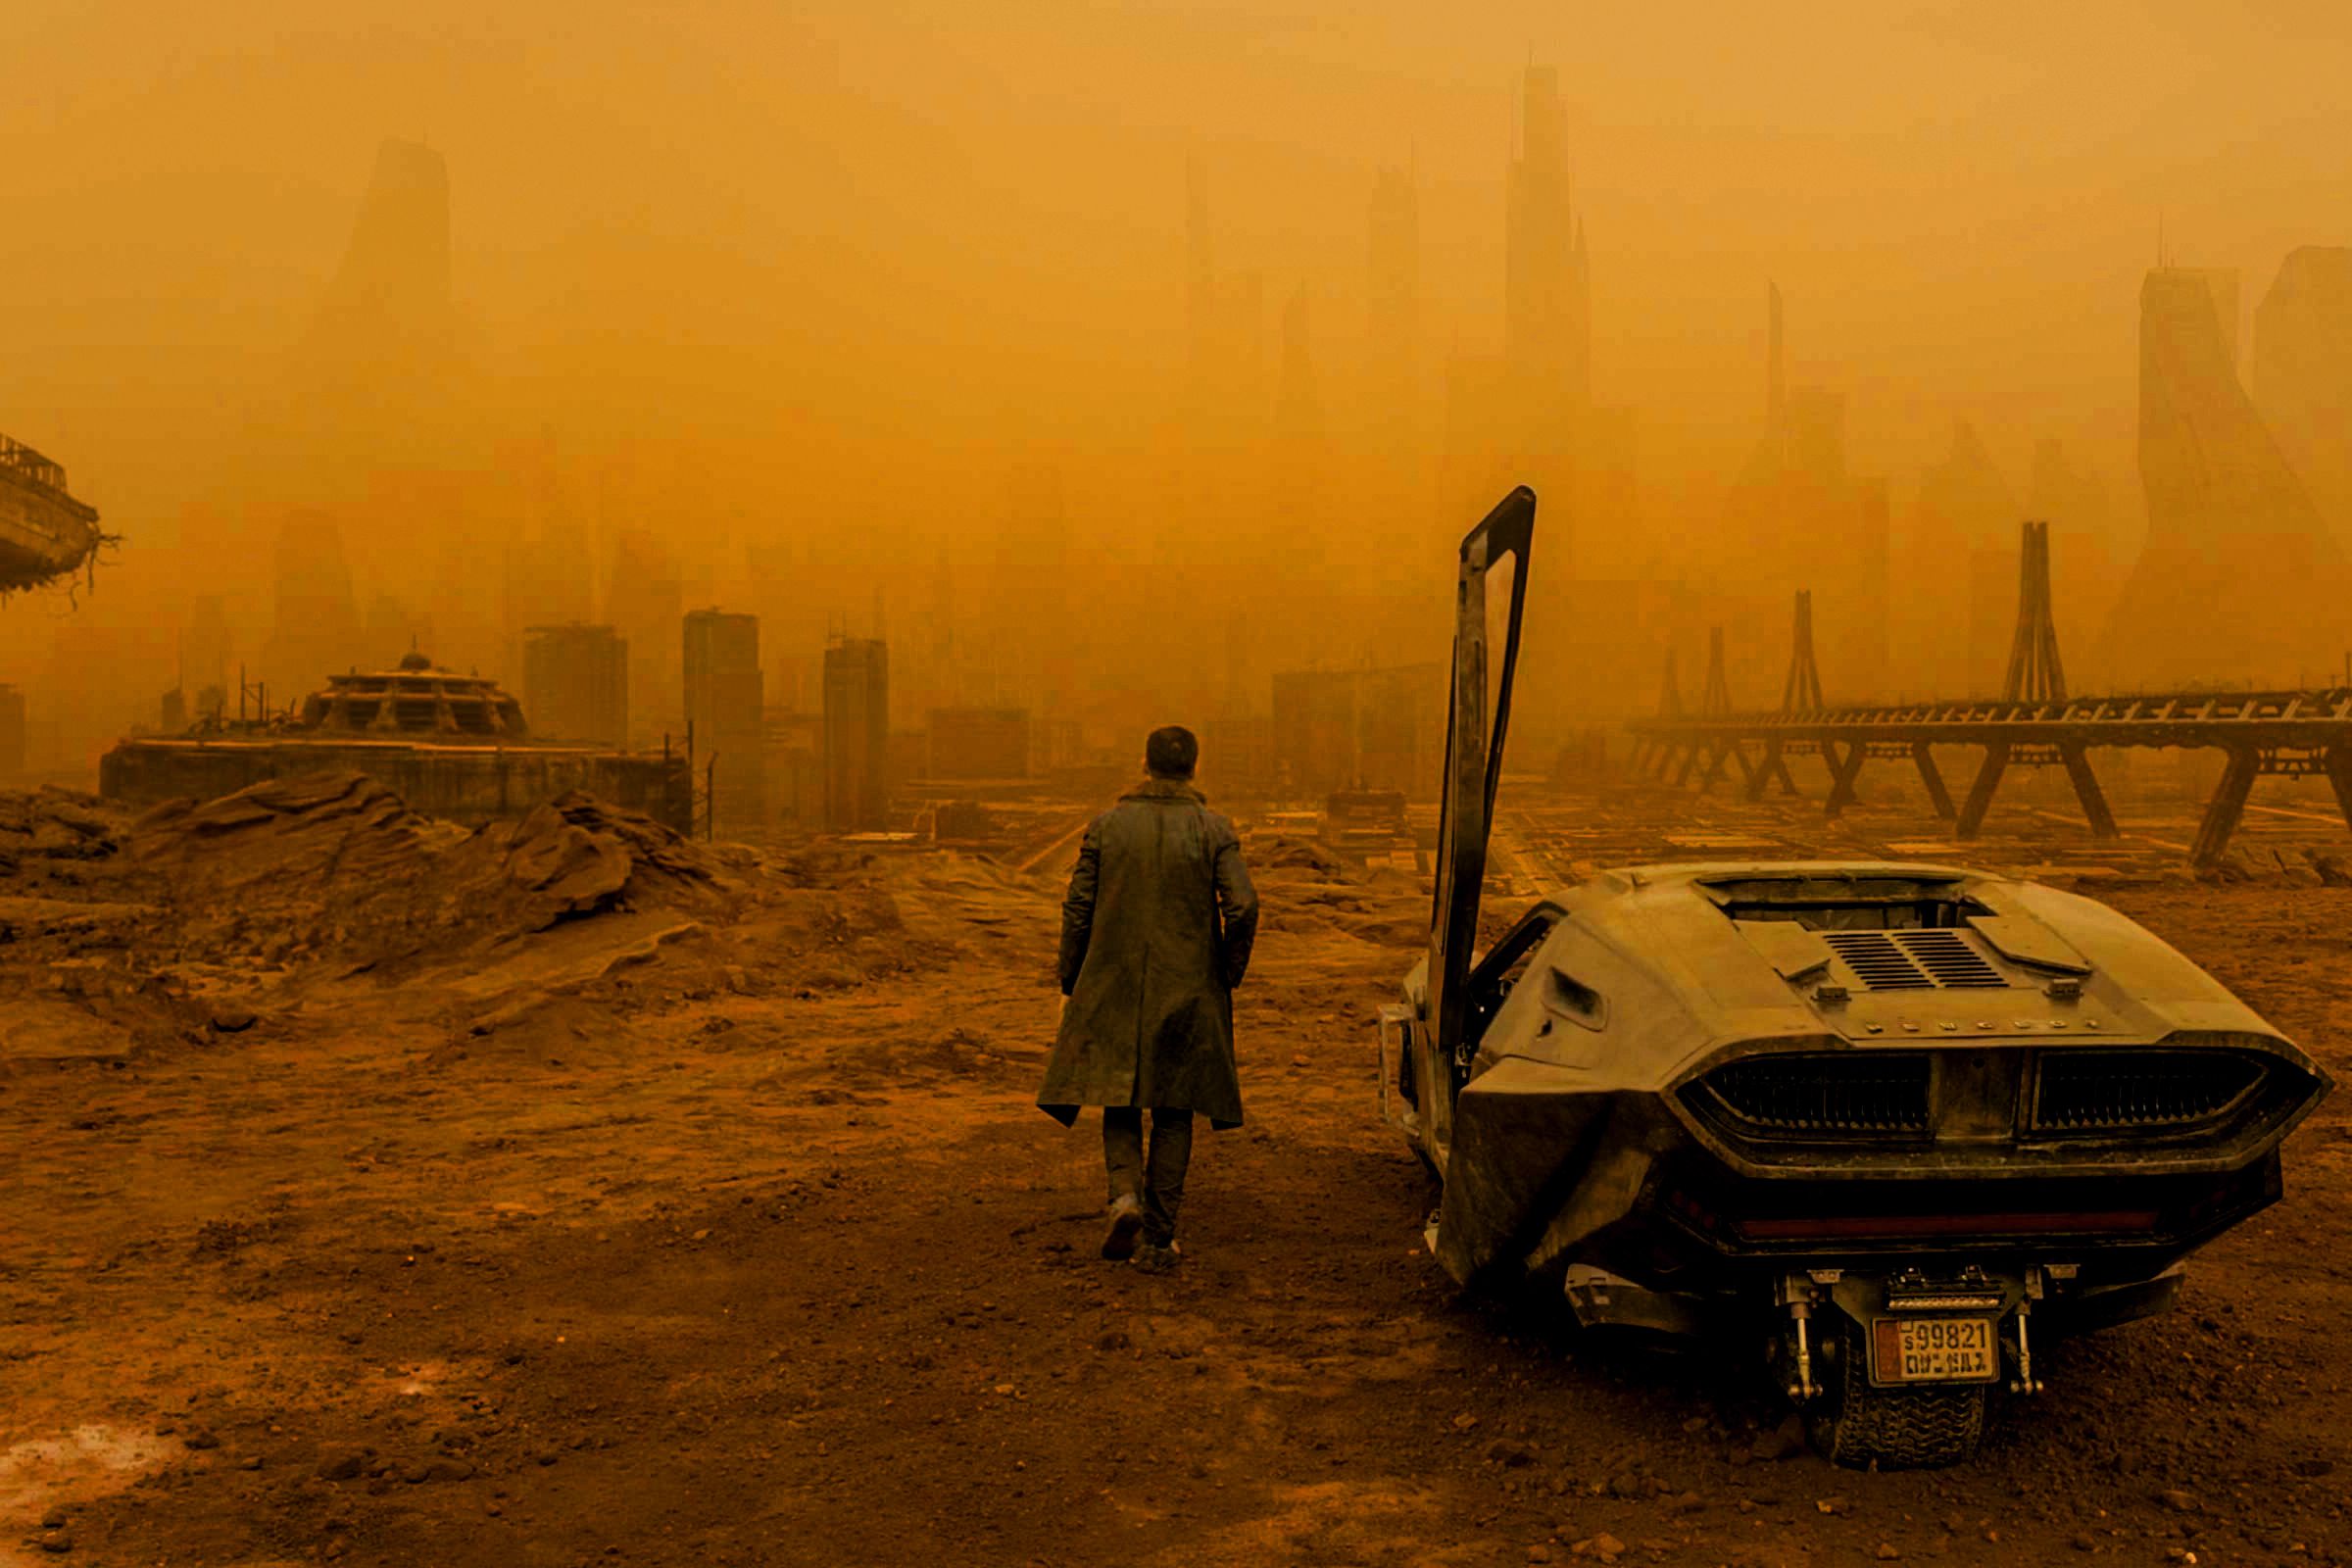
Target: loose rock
[341, 1464]
[1784, 1442]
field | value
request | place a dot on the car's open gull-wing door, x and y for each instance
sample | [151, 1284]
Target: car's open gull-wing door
[1474, 738]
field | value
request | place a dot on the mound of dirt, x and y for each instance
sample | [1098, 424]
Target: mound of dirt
[55, 828]
[196, 921]
[74, 920]
[335, 865]
[287, 833]
[1301, 855]
[579, 855]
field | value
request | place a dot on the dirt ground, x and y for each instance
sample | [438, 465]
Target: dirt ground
[377, 1193]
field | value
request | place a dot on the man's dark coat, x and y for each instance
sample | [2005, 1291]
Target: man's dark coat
[1155, 933]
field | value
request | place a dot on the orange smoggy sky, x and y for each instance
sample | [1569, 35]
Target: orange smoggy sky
[865, 257]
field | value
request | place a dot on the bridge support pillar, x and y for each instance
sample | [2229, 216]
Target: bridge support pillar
[2228, 804]
[1979, 793]
[2087, 789]
[1761, 774]
[1750, 774]
[1842, 773]
[2340, 774]
[1723, 752]
[1932, 776]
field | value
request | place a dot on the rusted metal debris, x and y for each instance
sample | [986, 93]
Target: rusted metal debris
[45, 533]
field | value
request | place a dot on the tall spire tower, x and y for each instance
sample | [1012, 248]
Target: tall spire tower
[1393, 322]
[1547, 299]
[1199, 278]
[380, 375]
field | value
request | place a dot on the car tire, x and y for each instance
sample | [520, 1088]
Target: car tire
[1857, 1423]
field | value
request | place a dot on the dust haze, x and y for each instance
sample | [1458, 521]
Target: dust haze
[1110, 361]
[575, 582]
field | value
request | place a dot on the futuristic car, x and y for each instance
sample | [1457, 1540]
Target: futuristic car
[1901, 1122]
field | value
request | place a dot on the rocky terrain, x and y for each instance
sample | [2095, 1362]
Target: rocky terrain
[378, 1191]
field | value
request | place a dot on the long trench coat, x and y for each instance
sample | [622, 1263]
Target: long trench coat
[1155, 934]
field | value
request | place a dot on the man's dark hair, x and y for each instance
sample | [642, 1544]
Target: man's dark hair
[1171, 752]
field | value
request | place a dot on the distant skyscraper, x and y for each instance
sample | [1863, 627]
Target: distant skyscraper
[1804, 521]
[1200, 283]
[2302, 374]
[1298, 407]
[1224, 328]
[394, 281]
[2213, 473]
[977, 743]
[205, 647]
[1964, 538]
[315, 620]
[1965, 498]
[2071, 499]
[2238, 578]
[1302, 505]
[379, 375]
[575, 683]
[856, 735]
[643, 602]
[1222, 470]
[1393, 322]
[727, 706]
[1547, 327]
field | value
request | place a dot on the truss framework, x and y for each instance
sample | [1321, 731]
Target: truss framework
[2035, 723]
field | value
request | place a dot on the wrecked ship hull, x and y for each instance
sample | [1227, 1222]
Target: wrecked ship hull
[45, 534]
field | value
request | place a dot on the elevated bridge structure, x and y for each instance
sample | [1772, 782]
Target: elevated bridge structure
[2034, 722]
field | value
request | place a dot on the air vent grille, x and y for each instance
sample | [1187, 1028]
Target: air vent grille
[1877, 961]
[1876, 1092]
[1948, 956]
[1914, 960]
[2155, 1089]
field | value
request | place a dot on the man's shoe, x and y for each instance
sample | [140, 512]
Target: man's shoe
[1154, 1259]
[1126, 1222]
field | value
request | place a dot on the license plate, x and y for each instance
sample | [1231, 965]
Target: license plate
[1932, 1349]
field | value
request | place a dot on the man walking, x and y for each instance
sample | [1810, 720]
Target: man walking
[1155, 934]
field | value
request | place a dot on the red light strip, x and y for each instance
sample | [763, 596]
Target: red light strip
[1855, 1226]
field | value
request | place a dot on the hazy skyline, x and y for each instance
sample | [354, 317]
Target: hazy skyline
[1957, 200]
[851, 265]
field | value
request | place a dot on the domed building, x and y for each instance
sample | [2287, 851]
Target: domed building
[452, 745]
[416, 699]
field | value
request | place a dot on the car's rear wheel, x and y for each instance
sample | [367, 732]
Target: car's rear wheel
[1858, 1423]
